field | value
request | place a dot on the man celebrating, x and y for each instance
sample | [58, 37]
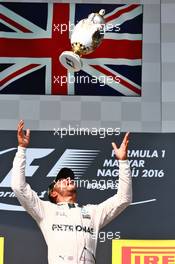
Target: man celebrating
[70, 231]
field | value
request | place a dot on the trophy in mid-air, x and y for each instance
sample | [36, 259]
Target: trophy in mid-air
[87, 35]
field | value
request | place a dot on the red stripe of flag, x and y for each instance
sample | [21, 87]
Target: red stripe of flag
[120, 12]
[123, 82]
[60, 17]
[18, 72]
[126, 49]
[14, 24]
[29, 48]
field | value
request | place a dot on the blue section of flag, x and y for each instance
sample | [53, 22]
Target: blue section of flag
[33, 83]
[83, 10]
[34, 12]
[133, 73]
[133, 26]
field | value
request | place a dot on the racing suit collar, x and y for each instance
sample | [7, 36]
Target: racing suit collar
[69, 205]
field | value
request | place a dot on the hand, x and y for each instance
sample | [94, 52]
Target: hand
[121, 152]
[23, 138]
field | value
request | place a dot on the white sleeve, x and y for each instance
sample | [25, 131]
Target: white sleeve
[113, 206]
[26, 196]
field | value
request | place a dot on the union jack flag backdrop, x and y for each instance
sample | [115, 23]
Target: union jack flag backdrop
[31, 42]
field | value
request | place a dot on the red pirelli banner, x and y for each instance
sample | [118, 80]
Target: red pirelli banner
[143, 251]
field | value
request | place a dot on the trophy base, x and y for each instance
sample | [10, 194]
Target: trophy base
[71, 61]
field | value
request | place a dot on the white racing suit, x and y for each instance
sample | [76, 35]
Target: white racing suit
[70, 231]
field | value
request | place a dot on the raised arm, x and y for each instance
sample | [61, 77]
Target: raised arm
[113, 206]
[26, 196]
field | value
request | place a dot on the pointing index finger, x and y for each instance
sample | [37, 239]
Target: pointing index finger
[126, 138]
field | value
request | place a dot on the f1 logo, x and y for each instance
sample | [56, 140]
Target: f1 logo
[69, 62]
